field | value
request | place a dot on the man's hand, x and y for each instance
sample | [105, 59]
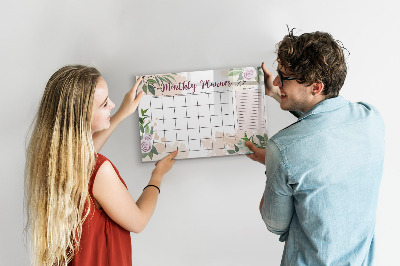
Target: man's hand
[258, 155]
[270, 89]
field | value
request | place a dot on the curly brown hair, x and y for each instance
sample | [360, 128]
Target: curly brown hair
[314, 57]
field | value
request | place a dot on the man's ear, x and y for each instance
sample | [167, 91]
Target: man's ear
[317, 88]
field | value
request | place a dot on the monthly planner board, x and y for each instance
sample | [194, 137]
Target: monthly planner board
[202, 113]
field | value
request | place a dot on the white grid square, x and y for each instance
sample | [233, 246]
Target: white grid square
[156, 114]
[193, 123]
[169, 112]
[156, 102]
[167, 101]
[192, 112]
[180, 101]
[181, 123]
[194, 134]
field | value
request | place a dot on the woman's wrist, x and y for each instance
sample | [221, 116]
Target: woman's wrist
[157, 187]
[156, 178]
[277, 97]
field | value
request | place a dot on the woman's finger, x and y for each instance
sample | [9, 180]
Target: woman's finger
[136, 85]
[265, 69]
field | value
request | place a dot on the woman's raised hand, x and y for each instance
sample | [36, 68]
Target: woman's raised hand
[270, 89]
[131, 100]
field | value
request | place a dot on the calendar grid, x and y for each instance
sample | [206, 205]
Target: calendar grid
[207, 121]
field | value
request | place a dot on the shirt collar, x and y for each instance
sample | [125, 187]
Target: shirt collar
[325, 106]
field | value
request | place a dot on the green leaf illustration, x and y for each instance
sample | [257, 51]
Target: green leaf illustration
[146, 129]
[260, 138]
[154, 150]
[151, 131]
[245, 138]
[161, 79]
[167, 80]
[151, 89]
[151, 81]
[141, 120]
[144, 155]
[236, 148]
[171, 77]
[234, 73]
[158, 81]
[231, 151]
[141, 129]
[144, 88]
[150, 155]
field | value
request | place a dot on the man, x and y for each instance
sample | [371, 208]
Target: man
[323, 171]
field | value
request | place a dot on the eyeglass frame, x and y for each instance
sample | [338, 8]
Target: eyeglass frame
[282, 78]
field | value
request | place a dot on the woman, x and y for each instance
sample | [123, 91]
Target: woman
[78, 207]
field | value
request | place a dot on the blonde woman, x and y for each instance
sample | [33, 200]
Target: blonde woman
[79, 211]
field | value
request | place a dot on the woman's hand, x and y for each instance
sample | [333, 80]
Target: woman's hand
[131, 101]
[270, 89]
[128, 107]
[164, 165]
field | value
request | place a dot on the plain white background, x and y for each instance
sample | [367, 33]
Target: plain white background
[208, 208]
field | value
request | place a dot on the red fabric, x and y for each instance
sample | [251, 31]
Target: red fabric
[103, 241]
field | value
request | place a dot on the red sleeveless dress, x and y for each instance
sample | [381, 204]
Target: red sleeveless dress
[103, 241]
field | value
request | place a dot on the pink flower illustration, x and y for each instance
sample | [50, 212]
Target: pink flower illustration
[148, 137]
[249, 73]
[146, 146]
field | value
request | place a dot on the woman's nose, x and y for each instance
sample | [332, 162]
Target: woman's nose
[112, 105]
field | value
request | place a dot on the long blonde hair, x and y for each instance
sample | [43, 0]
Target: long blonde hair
[59, 161]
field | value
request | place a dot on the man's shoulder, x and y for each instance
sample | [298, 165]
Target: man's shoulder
[290, 134]
[326, 121]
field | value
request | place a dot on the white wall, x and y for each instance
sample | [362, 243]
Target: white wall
[208, 208]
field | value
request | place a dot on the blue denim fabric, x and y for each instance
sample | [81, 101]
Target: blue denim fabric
[323, 176]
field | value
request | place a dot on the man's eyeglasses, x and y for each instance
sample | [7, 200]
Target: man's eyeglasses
[282, 78]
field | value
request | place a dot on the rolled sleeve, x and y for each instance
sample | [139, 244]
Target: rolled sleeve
[277, 209]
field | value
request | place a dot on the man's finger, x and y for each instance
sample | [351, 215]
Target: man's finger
[251, 146]
[251, 156]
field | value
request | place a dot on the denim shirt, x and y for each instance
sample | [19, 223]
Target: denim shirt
[323, 176]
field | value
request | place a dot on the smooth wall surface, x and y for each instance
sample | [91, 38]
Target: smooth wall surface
[208, 208]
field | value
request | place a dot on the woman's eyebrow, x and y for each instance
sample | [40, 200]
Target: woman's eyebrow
[104, 101]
